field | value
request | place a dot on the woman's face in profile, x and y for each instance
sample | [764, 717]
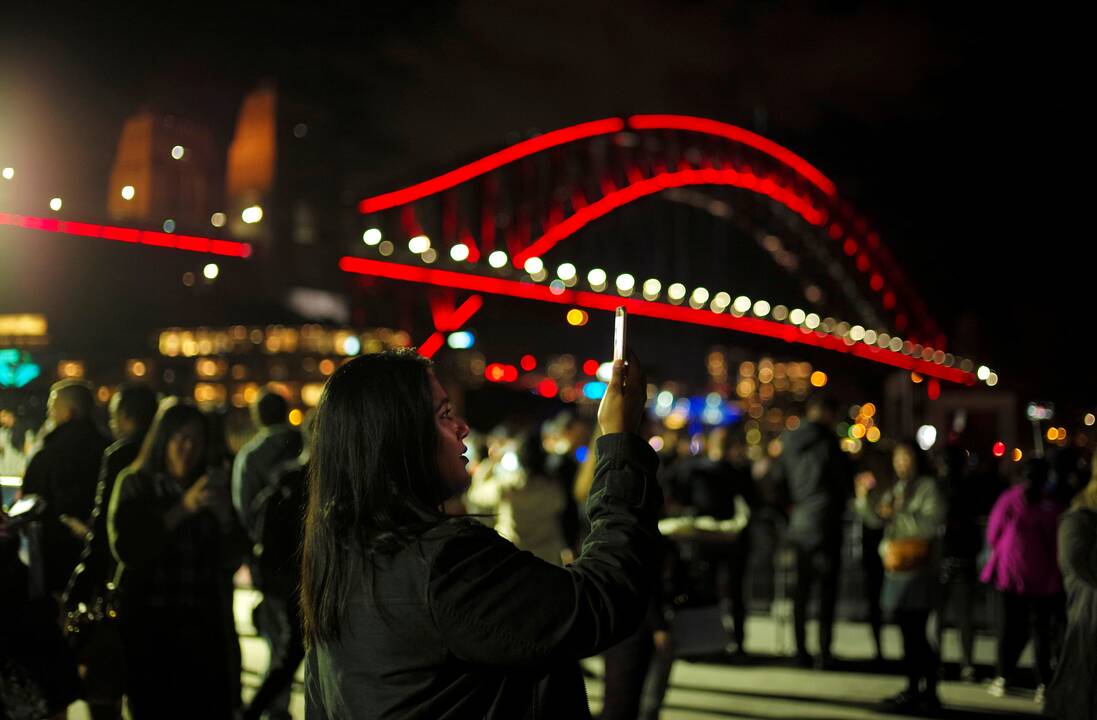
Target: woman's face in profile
[184, 449]
[452, 431]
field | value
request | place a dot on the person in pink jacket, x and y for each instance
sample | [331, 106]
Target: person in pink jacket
[1023, 568]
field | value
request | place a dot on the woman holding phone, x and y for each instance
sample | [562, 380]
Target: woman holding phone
[170, 527]
[410, 613]
[910, 514]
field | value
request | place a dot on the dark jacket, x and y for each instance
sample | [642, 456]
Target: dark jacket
[65, 472]
[817, 480]
[97, 564]
[1072, 694]
[255, 465]
[461, 624]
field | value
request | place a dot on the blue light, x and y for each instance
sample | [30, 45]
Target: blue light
[462, 340]
[581, 453]
[594, 390]
[16, 369]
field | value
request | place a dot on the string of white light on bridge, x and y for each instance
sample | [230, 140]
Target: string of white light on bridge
[652, 289]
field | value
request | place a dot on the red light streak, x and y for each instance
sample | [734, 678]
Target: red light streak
[661, 182]
[596, 301]
[212, 246]
[592, 129]
[432, 345]
[462, 314]
[491, 162]
[739, 135]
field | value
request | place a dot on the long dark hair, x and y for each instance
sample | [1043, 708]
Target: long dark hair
[173, 415]
[373, 479]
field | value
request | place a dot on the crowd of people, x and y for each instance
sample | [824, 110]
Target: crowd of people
[142, 535]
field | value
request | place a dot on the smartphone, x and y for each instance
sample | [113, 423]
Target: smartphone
[619, 334]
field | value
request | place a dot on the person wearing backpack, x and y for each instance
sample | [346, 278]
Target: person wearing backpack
[279, 518]
[276, 443]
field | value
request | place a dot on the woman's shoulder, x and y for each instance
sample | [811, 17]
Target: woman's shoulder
[454, 528]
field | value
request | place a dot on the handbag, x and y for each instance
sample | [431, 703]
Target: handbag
[906, 554]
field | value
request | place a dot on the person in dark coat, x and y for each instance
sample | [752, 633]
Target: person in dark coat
[64, 473]
[1072, 693]
[410, 613]
[87, 597]
[170, 522]
[960, 546]
[253, 471]
[816, 478]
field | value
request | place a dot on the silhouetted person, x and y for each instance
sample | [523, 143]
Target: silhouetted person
[411, 613]
[1072, 693]
[253, 471]
[960, 546]
[65, 472]
[89, 595]
[718, 496]
[278, 531]
[817, 479]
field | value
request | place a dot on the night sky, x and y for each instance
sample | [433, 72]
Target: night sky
[954, 131]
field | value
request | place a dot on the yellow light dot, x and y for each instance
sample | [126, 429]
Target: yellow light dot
[327, 367]
[1052, 434]
[1089, 419]
[915, 378]
[55, 204]
[857, 431]
[296, 417]
[818, 379]
[873, 434]
[577, 317]
[1017, 454]
[868, 410]
[128, 192]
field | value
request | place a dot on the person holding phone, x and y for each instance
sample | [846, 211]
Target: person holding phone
[910, 513]
[169, 527]
[411, 613]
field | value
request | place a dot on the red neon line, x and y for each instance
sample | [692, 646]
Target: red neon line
[189, 243]
[491, 162]
[739, 135]
[658, 183]
[596, 301]
[432, 345]
[461, 315]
